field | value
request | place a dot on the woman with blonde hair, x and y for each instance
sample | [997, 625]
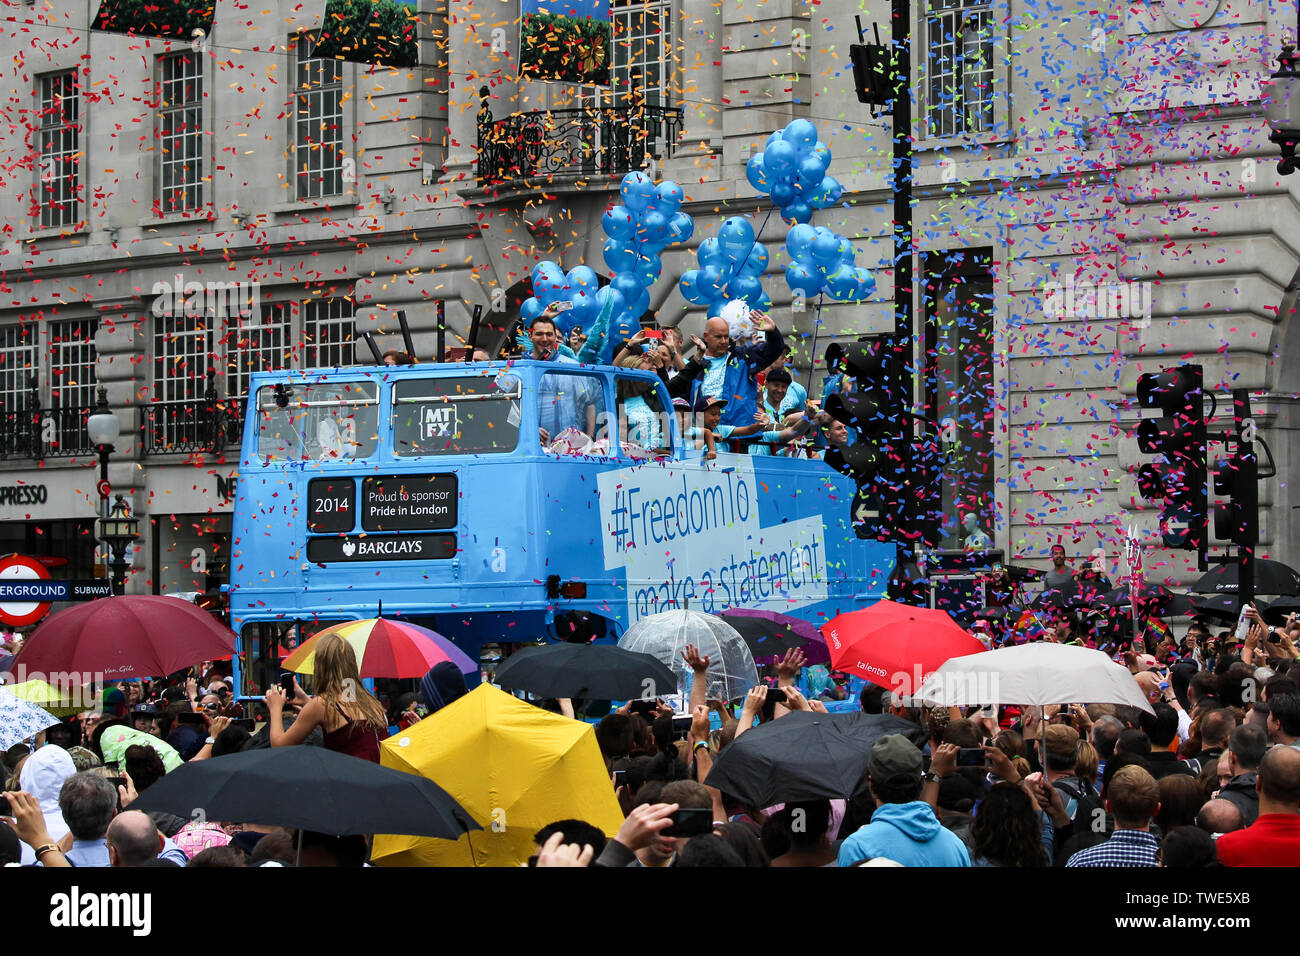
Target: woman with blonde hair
[643, 423]
[351, 719]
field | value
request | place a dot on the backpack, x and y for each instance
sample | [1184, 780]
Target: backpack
[1089, 813]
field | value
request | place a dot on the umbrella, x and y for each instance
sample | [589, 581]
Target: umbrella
[895, 645]
[804, 756]
[1153, 597]
[60, 701]
[1033, 674]
[1271, 577]
[310, 788]
[1279, 609]
[769, 634]
[124, 636]
[505, 761]
[732, 671]
[20, 719]
[1224, 607]
[591, 671]
[114, 741]
[1075, 593]
[386, 648]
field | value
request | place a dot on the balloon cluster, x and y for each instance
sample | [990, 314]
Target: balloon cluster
[792, 170]
[730, 265]
[822, 261]
[579, 286]
[648, 221]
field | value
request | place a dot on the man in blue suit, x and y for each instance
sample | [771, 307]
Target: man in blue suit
[722, 369]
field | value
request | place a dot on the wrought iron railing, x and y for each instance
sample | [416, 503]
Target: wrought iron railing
[41, 433]
[191, 427]
[608, 140]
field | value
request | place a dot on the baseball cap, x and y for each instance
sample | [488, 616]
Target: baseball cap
[894, 756]
[705, 402]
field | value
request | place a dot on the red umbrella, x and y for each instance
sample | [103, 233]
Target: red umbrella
[128, 636]
[895, 645]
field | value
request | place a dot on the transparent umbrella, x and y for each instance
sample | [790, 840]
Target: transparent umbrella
[731, 666]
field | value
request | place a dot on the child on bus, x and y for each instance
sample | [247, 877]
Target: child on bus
[716, 437]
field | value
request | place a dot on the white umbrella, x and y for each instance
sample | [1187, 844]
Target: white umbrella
[732, 671]
[20, 719]
[1033, 674]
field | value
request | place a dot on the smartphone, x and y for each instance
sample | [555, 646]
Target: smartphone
[646, 708]
[5, 809]
[776, 695]
[620, 778]
[970, 757]
[690, 822]
[563, 306]
[191, 719]
[681, 726]
[286, 683]
[654, 333]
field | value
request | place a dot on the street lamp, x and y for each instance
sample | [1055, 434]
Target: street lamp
[1283, 109]
[103, 428]
[118, 531]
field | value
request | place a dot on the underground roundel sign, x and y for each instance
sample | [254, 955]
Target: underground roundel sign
[18, 567]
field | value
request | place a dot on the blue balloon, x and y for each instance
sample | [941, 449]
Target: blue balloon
[842, 284]
[549, 283]
[530, 309]
[802, 135]
[800, 278]
[627, 284]
[637, 190]
[604, 294]
[828, 193]
[640, 305]
[782, 194]
[798, 241]
[764, 302]
[756, 173]
[619, 256]
[772, 138]
[626, 325]
[711, 253]
[797, 211]
[866, 282]
[619, 223]
[583, 277]
[826, 248]
[712, 283]
[654, 226]
[687, 286]
[747, 288]
[715, 307]
[648, 269]
[668, 197]
[847, 252]
[681, 227]
[585, 307]
[810, 173]
[736, 237]
[780, 159]
[756, 263]
[823, 151]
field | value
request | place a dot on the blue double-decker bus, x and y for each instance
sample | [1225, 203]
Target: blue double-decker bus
[509, 502]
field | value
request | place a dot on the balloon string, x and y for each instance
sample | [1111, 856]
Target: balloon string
[812, 352]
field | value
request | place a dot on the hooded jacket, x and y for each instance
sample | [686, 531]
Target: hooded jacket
[907, 833]
[1240, 791]
[443, 684]
[42, 776]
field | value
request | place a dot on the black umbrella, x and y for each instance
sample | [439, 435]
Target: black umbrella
[1076, 593]
[591, 671]
[1153, 598]
[1271, 577]
[310, 788]
[1279, 609]
[770, 634]
[804, 756]
[1223, 607]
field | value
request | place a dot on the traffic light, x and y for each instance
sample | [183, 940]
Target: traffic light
[1236, 479]
[871, 414]
[1178, 477]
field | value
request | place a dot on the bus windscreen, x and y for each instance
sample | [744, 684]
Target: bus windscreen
[466, 415]
[321, 422]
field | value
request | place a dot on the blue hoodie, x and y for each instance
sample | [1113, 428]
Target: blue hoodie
[907, 833]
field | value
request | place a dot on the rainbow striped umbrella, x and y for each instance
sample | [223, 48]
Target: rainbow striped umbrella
[386, 648]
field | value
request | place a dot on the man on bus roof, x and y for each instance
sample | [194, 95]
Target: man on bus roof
[562, 401]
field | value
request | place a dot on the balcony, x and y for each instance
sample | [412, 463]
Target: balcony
[41, 433]
[187, 427]
[597, 141]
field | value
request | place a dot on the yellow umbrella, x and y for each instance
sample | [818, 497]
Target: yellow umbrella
[513, 766]
[58, 701]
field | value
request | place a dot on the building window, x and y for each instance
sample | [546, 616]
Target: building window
[18, 362]
[260, 344]
[318, 124]
[72, 380]
[57, 189]
[643, 46]
[959, 384]
[958, 40]
[45, 419]
[180, 132]
[329, 328]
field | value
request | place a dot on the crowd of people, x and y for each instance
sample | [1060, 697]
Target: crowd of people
[1209, 777]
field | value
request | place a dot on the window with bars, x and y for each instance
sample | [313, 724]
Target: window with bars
[19, 357]
[71, 346]
[318, 124]
[260, 344]
[48, 420]
[329, 328]
[643, 45]
[958, 40]
[180, 132]
[183, 351]
[58, 143]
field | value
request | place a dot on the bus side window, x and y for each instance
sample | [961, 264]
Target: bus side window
[643, 427]
[571, 414]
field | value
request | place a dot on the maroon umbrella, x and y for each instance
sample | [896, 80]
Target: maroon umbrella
[129, 636]
[769, 634]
